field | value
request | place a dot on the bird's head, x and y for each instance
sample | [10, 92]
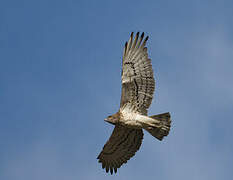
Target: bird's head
[113, 119]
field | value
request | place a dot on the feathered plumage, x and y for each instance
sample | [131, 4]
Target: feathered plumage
[138, 87]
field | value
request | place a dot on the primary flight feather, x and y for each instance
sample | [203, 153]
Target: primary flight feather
[138, 86]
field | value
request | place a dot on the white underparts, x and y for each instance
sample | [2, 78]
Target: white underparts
[137, 121]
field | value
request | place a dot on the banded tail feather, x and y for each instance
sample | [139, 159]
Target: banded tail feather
[165, 121]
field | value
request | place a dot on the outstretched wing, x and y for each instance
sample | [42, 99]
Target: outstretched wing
[120, 147]
[138, 82]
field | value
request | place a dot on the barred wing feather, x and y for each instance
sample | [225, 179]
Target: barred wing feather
[138, 82]
[120, 147]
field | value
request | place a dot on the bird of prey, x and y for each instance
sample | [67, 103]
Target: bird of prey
[138, 86]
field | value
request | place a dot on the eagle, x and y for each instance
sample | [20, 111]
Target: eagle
[137, 91]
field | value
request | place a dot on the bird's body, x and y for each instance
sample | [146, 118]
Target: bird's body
[134, 120]
[138, 86]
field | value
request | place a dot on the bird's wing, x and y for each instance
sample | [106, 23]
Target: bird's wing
[120, 147]
[138, 82]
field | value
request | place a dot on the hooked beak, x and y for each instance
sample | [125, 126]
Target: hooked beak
[107, 120]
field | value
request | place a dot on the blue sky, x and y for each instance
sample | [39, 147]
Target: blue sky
[60, 65]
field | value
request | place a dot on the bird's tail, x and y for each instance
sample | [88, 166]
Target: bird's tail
[165, 124]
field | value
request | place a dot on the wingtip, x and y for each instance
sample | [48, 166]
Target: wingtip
[126, 44]
[142, 35]
[103, 165]
[115, 169]
[111, 170]
[131, 34]
[107, 169]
